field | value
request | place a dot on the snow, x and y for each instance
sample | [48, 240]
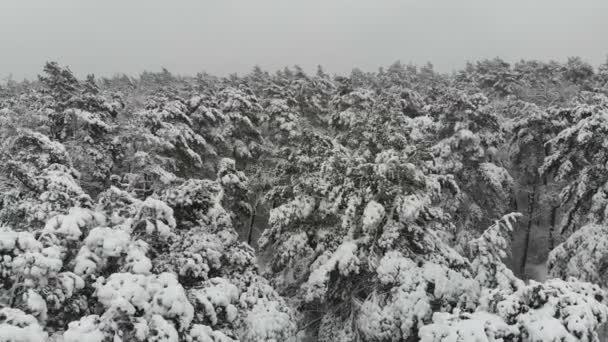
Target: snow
[161, 330]
[21, 241]
[343, 260]
[498, 177]
[582, 255]
[413, 289]
[474, 327]
[372, 216]
[373, 195]
[349, 219]
[267, 322]
[228, 173]
[59, 179]
[544, 327]
[141, 328]
[37, 267]
[91, 119]
[153, 294]
[16, 326]
[234, 100]
[71, 224]
[71, 283]
[107, 242]
[86, 329]
[50, 147]
[8, 238]
[409, 206]
[564, 170]
[36, 305]
[556, 310]
[488, 251]
[104, 245]
[217, 295]
[296, 246]
[203, 333]
[298, 209]
[159, 213]
[136, 260]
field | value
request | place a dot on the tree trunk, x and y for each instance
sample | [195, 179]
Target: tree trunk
[552, 228]
[531, 205]
[514, 203]
[251, 221]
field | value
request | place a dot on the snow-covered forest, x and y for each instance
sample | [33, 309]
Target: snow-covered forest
[396, 205]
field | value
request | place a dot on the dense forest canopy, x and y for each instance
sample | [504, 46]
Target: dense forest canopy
[397, 205]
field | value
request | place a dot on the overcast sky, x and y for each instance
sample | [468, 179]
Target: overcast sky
[223, 36]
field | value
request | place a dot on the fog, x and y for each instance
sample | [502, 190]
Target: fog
[221, 37]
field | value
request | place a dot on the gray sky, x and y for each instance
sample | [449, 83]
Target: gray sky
[223, 36]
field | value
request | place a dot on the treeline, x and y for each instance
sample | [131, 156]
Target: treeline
[378, 206]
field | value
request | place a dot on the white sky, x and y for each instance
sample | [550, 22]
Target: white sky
[223, 36]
